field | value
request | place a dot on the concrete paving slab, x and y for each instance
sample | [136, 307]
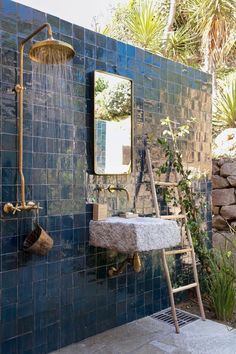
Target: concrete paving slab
[150, 336]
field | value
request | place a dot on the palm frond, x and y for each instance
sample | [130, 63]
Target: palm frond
[181, 44]
[225, 105]
[215, 21]
[118, 27]
[146, 25]
[204, 12]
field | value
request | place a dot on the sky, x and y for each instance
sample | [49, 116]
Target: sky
[80, 12]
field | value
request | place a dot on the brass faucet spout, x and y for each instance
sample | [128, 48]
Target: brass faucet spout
[127, 193]
[112, 189]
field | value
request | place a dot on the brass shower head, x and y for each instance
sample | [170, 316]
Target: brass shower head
[51, 51]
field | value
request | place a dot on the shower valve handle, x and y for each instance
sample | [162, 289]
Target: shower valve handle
[9, 208]
[33, 205]
[15, 209]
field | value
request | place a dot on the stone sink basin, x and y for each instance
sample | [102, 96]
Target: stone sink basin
[135, 234]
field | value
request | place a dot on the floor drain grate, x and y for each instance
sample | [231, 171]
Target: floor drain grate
[183, 317]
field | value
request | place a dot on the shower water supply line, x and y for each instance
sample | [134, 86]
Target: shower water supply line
[49, 44]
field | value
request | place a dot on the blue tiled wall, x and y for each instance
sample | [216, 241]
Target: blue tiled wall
[51, 301]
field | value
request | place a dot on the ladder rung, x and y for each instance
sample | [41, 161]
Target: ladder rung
[183, 250]
[186, 287]
[172, 217]
[166, 184]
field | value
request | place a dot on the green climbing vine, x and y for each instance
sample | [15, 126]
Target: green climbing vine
[191, 200]
[217, 269]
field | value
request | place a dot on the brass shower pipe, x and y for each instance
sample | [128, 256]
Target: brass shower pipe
[19, 88]
[45, 46]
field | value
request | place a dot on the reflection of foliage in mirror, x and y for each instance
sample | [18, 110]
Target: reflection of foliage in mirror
[113, 103]
[100, 85]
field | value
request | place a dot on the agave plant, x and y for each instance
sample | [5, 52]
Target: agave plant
[146, 25]
[181, 45]
[225, 103]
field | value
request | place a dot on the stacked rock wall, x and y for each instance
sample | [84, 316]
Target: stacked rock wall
[224, 193]
[224, 204]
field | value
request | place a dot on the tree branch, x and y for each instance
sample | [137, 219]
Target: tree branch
[169, 24]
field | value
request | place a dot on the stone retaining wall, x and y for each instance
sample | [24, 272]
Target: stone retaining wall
[224, 204]
[224, 193]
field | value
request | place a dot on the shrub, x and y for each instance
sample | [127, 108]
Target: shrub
[221, 284]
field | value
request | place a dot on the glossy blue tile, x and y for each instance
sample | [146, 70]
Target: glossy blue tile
[39, 290]
[9, 296]
[130, 51]
[25, 293]
[80, 220]
[54, 22]
[101, 54]
[9, 346]
[89, 51]
[53, 337]
[9, 313]
[39, 272]
[90, 37]
[51, 301]
[8, 330]
[66, 28]
[25, 325]
[79, 46]
[25, 344]
[9, 244]
[9, 40]
[9, 193]
[78, 32]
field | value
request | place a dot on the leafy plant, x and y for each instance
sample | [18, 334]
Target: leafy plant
[225, 105]
[118, 27]
[181, 45]
[214, 29]
[100, 85]
[180, 30]
[218, 275]
[114, 103]
[146, 24]
[221, 284]
[190, 200]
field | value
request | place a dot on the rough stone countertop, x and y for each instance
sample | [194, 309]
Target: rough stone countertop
[134, 234]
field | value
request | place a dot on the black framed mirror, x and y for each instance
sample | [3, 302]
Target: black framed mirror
[113, 114]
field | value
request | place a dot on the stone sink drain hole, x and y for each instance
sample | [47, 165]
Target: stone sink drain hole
[183, 317]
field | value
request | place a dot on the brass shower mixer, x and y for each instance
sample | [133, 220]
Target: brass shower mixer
[10, 208]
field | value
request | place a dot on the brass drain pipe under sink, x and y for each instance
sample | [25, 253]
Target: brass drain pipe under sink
[134, 260]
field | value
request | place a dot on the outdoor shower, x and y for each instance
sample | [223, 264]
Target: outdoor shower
[49, 51]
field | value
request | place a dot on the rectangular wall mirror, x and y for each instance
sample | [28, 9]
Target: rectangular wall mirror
[112, 124]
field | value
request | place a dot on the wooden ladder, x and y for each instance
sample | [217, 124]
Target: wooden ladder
[184, 250]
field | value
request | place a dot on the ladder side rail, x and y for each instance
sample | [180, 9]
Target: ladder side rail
[152, 182]
[170, 289]
[194, 265]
